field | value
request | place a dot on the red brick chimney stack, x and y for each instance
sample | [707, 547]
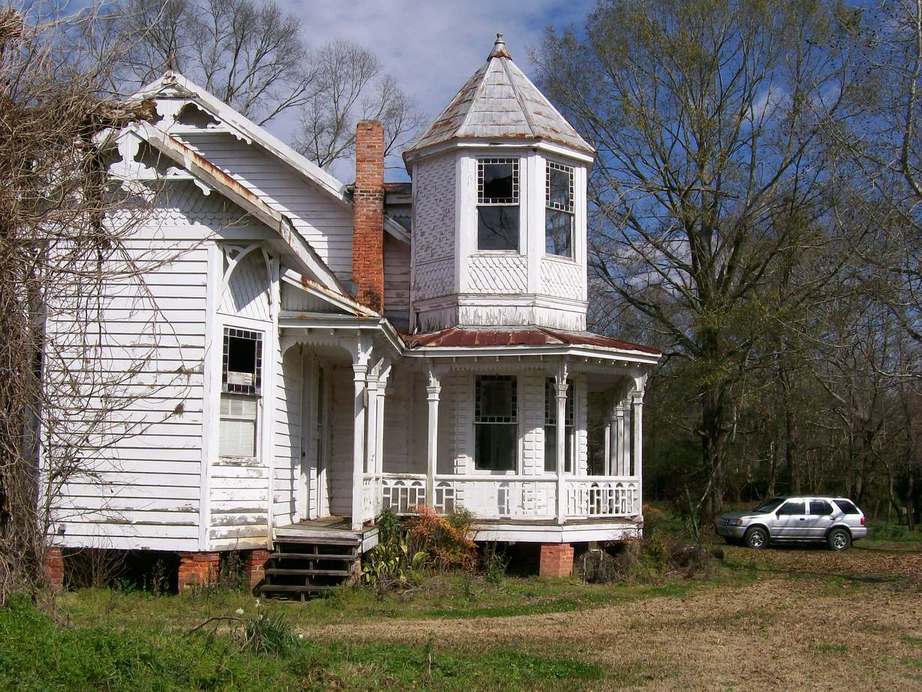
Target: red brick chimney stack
[368, 215]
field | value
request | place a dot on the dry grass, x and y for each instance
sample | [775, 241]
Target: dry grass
[811, 619]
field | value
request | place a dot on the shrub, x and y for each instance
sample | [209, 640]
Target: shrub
[651, 558]
[391, 564]
[267, 634]
[446, 539]
[494, 562]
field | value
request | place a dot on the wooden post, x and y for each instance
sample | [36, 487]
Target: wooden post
[371, 438]
[621, 455]
[433, 389]
[560, 385]
[379, 432]
[637, 429]
[359, 374]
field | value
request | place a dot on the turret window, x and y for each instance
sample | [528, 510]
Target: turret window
[498, 204]
[558, 212]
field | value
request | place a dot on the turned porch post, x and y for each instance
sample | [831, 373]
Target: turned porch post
[379, 417]
[637, 447]
[433, 389]
[359, 372]
[560, 384]
[622, 462]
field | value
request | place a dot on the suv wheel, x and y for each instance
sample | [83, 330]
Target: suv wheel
[756, 538]
[839, 539]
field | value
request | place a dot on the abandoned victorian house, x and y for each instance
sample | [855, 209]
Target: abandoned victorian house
[312, 353]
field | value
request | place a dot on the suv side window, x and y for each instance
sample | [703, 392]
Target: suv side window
[846, 507]
[820, 507]
[790, 508]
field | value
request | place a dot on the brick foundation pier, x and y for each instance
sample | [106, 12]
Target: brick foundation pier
[198, 569]
[556, 560]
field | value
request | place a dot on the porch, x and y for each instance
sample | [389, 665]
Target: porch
[381, 431]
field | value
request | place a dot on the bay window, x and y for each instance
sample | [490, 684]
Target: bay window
[559, 210]
[498, 204]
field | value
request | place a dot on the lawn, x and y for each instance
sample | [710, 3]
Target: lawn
[769, 619]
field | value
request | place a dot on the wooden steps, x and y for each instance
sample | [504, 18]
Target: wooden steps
[305, 566]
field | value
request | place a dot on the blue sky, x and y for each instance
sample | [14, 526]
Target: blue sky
[432, 47]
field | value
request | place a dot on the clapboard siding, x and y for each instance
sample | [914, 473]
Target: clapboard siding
[286, 460]
[324, 222]
[397, 282]
[141, 480]
[339, 472]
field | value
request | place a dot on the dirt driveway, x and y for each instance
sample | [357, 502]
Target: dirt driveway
[789, 625]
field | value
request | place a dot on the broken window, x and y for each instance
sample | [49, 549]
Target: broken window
[559, 210]
[495, 423]
[240, 386]
[498, 204]
[242, 361]
[550, 427]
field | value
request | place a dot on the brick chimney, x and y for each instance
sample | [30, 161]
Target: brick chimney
[368, 215]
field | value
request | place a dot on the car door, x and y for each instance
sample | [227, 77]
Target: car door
[790, 521]
[819, 519]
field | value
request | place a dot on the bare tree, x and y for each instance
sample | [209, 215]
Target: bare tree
[714, 175]
[351, 86]
[64, 230]
[251, 55]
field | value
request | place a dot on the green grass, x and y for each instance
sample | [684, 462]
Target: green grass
[438, 596]
[38, 654]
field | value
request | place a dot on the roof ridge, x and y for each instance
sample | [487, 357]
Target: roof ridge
[477, 92]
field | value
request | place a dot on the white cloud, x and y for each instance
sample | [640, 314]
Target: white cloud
[431, 48]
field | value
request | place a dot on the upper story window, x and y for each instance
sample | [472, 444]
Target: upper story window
[498, 204]
[495, 423]
[559, 210]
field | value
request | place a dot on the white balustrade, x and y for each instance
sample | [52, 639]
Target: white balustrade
[497, 497]
[503, 497]
[602, 497]
[402, 493]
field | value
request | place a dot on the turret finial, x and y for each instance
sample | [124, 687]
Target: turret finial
[499, 48]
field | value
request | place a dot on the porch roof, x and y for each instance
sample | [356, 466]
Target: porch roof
[460, 337]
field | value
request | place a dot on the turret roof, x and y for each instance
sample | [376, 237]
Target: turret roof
[499, 101]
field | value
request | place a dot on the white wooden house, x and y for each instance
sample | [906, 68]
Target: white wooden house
[326, 351]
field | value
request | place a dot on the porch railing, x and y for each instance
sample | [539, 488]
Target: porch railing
[503, 497]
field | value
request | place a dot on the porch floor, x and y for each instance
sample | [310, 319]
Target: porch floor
[330, 529]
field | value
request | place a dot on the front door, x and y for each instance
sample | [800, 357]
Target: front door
[315, 442]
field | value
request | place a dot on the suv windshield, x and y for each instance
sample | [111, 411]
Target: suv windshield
[769, 505]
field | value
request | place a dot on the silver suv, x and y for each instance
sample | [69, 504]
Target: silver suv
[836, 521]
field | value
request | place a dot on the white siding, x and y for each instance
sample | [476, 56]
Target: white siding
[339, 473]
[397, 282]
[286, 460]
[143, 482]
[323, 221]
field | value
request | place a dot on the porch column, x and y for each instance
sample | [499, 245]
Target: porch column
[360, 371]
[637, 447]
[371, 437]
[560, 384]
[621, 455]
[379, 417]
[433, 389]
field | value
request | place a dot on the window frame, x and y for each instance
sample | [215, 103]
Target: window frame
[550, 421]
[506, 202]
[569, 210]
[233, 390]
[792, 503]
[514, 424]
